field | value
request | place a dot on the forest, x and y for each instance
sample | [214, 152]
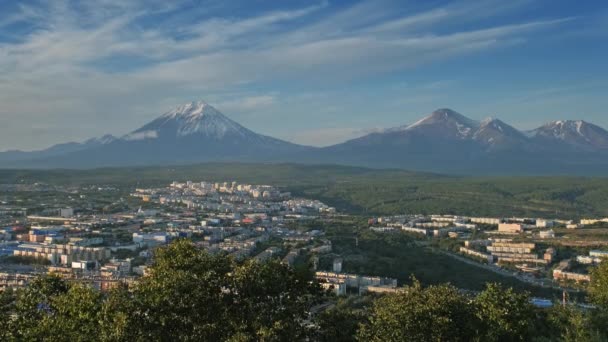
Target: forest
[367, 191]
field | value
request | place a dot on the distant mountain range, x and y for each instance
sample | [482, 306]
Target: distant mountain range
[444, 141]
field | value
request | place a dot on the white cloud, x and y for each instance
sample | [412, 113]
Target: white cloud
[245, 104]
[141, 135]
[327, 136]
[97, 67]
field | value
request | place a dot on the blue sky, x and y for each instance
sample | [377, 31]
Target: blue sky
[309, 72]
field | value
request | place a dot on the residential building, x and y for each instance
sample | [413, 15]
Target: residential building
[488, 257]
[547, 234]
[511, 227]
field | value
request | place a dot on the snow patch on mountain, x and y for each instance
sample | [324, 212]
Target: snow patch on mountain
[463, 125]
[561, 129]
[463, 130]
[193, 118]
[104, 140]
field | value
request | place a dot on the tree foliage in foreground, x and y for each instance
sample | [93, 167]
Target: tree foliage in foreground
[598, 288]
[435, 313]
[505, 314]
[442, 313]
[191, 295]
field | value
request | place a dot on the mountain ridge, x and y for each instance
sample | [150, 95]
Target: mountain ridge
[443, 141]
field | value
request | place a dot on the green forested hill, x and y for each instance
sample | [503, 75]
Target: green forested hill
[369, 191]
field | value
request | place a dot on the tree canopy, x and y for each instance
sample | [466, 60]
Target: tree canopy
[435, 313]
[191, 295]
[598, 288]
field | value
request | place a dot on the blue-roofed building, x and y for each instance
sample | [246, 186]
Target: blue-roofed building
[47, 230]
[7, 250]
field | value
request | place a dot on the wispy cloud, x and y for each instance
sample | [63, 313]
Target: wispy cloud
[115, 63]
[248, 103]
[327, 136]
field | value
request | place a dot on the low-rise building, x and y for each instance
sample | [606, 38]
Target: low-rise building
[512, 252]
[472, 243]
[594, 257]
[338, 287]
[486, 220]
[380, 289]
[549, 254]
[547, 234]
[511, 227]
[62, 254]
[354, 280]
[414, 230]
[564, 275]
[561, 273]
[488, 257]
[588, 222]
[598, 254]
[540, 223]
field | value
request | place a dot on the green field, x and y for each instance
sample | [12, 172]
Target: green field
[369, 191]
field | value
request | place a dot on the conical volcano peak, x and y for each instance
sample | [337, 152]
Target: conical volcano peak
[194, 118]
[445, 112]
[193, 110]
[449, 118]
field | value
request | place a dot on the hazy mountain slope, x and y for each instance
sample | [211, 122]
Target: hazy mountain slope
[194, 132]
[576, 135]
[444, 141]
[55, 150]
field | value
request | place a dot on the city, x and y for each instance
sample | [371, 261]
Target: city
[247, 221]
[325, 170]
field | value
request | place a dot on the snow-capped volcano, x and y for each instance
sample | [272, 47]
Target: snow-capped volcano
[498, 135]
[443, 141]
[447, 140]
[574, 133]
[190, 133]
[445, 115]
[446, 122]
[194, 118]
[443, 134]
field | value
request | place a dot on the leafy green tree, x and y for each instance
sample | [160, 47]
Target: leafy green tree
[505, 314]
[571, 324]
[7, 302]
[116, 316]
[435, 313]
[75, 315]
[33, 304]
[271, 301]
[184, 297]
[339, 324]
[598, 295]
[192, 295]
[598, 287]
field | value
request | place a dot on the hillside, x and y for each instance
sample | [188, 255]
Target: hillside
[369, 191]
